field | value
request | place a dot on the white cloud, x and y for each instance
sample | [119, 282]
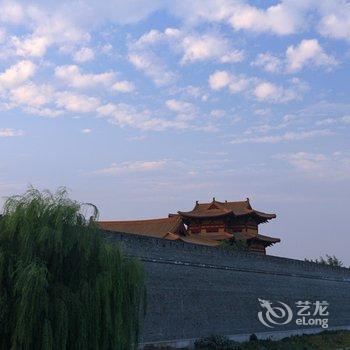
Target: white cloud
[305, 161]
[83, 55]
[279, 19]
[126, 115]
[132, 167]
[331, 17]
[317, 165]
[73, 76]
[208, 46]
[153, 67]
[239, 84]
[331, 121]
[11, 12]
[307, 52]
[11, 133]
[179, 106]
[267, 91]
[326, 121]
[31, 95]
[288, 136]
[256, 88]
[335, 20]
[35, 46]
[283, 18]
[17, 74]
[86, 131]
[123, 86]
[192, 46]
[44, 26]
[268, 62]
[76, 103]
[219, 80]
[218, 113]
[2, 35]
[43, 111]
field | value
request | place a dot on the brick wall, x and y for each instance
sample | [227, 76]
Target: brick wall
[196, 291]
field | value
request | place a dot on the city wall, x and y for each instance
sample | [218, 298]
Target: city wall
[196, 291]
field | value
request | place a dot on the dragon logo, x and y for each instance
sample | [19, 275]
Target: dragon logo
[274, 315]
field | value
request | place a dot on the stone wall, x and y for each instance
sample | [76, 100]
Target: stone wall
[196, 291]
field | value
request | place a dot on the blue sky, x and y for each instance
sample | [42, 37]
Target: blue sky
[144, 107]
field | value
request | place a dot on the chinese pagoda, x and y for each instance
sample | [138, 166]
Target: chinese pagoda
[206, 224]
[226, 220]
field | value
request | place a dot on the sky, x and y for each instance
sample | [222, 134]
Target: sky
[143, 107]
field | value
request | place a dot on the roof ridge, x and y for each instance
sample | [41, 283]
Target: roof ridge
[142, 220]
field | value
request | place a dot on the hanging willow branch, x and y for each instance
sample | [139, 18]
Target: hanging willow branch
[61, 285]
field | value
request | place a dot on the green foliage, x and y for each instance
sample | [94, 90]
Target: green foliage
[214, 342]
[323, 341]
[234, 244]
[61, 285]
[328, 260]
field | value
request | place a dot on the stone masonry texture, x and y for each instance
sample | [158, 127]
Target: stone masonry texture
[196, 291]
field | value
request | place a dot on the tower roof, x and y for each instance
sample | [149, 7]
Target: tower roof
[160, 228]
[218, 209]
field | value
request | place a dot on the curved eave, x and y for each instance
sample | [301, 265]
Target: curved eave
[263, 217]
[266, 240]
[191, 215]
[266, 216]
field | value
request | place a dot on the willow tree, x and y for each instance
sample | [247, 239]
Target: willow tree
[61, 285]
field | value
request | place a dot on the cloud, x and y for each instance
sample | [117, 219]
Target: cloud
[76, 102]
[11, 133]
[34, 46]
[307, 52]
[208, 47]
[283, 18]
[83, 55]
[330, 18]
[193, 47]
[148, 63]
[318, 165]
[86, 131]
[123, 114]
[305, 161]
[267, 91]
[179, 106]
[132, 167]
[31, 95]
[335, 20]
[43, 111]
[288, 136]
[332, 121]
[256, 88]
[43, 27]
[72, 75]
[123, 86]
[219, 80]
[17, 74]
[268, 62]
[11, 12]
[280, 19]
